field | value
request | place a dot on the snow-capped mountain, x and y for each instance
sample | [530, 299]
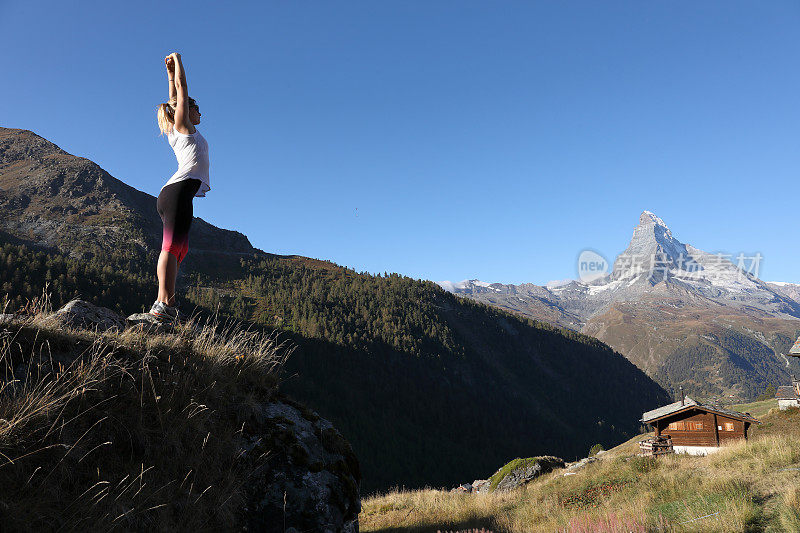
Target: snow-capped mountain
[654, 263]
[664, 299]
[789, 290]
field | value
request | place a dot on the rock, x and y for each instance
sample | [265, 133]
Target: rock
[528, 471]
[466, 487]
[580, 464]
[302, 462]
[82, 314]
[149, 323]
[6, 318]
[480, 485]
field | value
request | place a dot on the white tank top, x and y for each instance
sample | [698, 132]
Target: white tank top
[191, 151]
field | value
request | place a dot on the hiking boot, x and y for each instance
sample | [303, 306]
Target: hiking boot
[163, 312]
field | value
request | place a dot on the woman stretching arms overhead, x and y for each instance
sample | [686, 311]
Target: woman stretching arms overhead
[178, 118]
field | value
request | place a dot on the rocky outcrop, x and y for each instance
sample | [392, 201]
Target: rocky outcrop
[302, 472]
[480, 485]
[311, 476]
[513, 475]
[525, 472]
[572, 468]
[578, 465]
[82, 314]
[85, 315]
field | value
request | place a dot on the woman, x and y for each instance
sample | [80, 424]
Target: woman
[178, 118]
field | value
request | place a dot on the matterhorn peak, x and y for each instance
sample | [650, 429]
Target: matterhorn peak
[652, 235]
[652, 245]
[648, 217]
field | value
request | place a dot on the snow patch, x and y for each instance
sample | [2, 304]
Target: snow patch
[450, 286]
[558, 283]
[655, 218]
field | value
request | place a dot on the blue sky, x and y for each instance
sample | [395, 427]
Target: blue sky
[441, 140]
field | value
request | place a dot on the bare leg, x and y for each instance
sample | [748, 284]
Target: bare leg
[167, 271]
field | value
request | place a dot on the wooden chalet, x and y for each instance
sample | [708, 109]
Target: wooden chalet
[698, 429]
[788, 395]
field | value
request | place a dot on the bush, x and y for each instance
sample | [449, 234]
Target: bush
[768, 394]
[596, 448]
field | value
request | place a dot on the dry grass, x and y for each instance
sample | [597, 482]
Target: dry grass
[757, 409]
[747, 486]
[789, 514]
[128, 431]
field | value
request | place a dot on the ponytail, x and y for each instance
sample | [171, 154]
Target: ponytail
[165, 114]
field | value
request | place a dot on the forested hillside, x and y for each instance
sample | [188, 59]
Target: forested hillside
[423, 384]
[428, 388]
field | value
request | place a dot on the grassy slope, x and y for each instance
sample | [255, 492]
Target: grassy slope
[748, 486]
[757, 409]
[126, 431]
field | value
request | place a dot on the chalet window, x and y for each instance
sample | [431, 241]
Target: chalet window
[694, 426]
[677, 425]
[728, 426]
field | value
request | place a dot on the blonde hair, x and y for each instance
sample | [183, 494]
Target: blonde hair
[165, 113]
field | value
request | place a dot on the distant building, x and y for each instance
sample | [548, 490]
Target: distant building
[789, 395]
[698, 429]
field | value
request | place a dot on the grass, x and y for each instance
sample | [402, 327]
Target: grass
[132, 431]
[747, 486]
[128, 431]
[757, 409]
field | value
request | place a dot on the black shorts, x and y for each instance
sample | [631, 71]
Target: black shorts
[175, 208]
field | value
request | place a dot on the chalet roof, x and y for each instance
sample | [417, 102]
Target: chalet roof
[668, 409]
[786, 392]
[730, 412]
[688, 404]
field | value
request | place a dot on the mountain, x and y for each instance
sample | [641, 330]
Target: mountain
[426, 386]
[69, 204]
[687, 317]
[788, 290]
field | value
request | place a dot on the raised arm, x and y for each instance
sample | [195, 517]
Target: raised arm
[170, 63]
[182, 123]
